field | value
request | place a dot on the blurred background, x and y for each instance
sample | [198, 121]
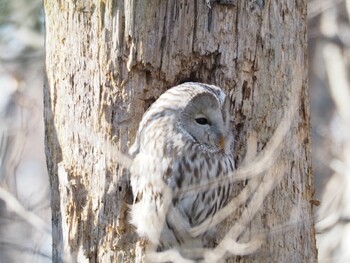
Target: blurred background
[25, 218]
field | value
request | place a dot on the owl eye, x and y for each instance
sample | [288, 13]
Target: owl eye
[202, 121]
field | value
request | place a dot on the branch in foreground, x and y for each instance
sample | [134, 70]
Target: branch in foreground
[13, 205]
[270, 180]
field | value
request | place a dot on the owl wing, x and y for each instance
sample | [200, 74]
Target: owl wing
[152, 196]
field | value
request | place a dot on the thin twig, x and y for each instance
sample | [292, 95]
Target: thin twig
[13, 205]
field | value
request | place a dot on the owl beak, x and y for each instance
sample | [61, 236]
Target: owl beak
[222, 143]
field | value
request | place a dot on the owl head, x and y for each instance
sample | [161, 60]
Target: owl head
[196, 112]
[206, 118]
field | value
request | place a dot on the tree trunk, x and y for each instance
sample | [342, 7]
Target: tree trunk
[107, 61]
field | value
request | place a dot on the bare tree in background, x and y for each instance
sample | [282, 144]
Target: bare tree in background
[25, 234]
[106, 62]
[329, 81]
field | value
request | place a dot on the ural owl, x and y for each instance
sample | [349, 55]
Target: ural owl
[183, 140]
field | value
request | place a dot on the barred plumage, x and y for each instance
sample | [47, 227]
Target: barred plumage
[184, 139]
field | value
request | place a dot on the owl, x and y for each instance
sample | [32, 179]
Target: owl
[184, 140]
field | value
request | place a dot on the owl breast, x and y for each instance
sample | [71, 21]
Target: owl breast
[190, 177]
[198, 172]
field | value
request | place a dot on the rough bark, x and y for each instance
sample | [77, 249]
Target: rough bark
[107, 61]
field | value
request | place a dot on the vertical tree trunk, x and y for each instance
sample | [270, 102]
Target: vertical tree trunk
[107, 61]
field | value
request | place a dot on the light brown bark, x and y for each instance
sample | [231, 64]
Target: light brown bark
[107, 61]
